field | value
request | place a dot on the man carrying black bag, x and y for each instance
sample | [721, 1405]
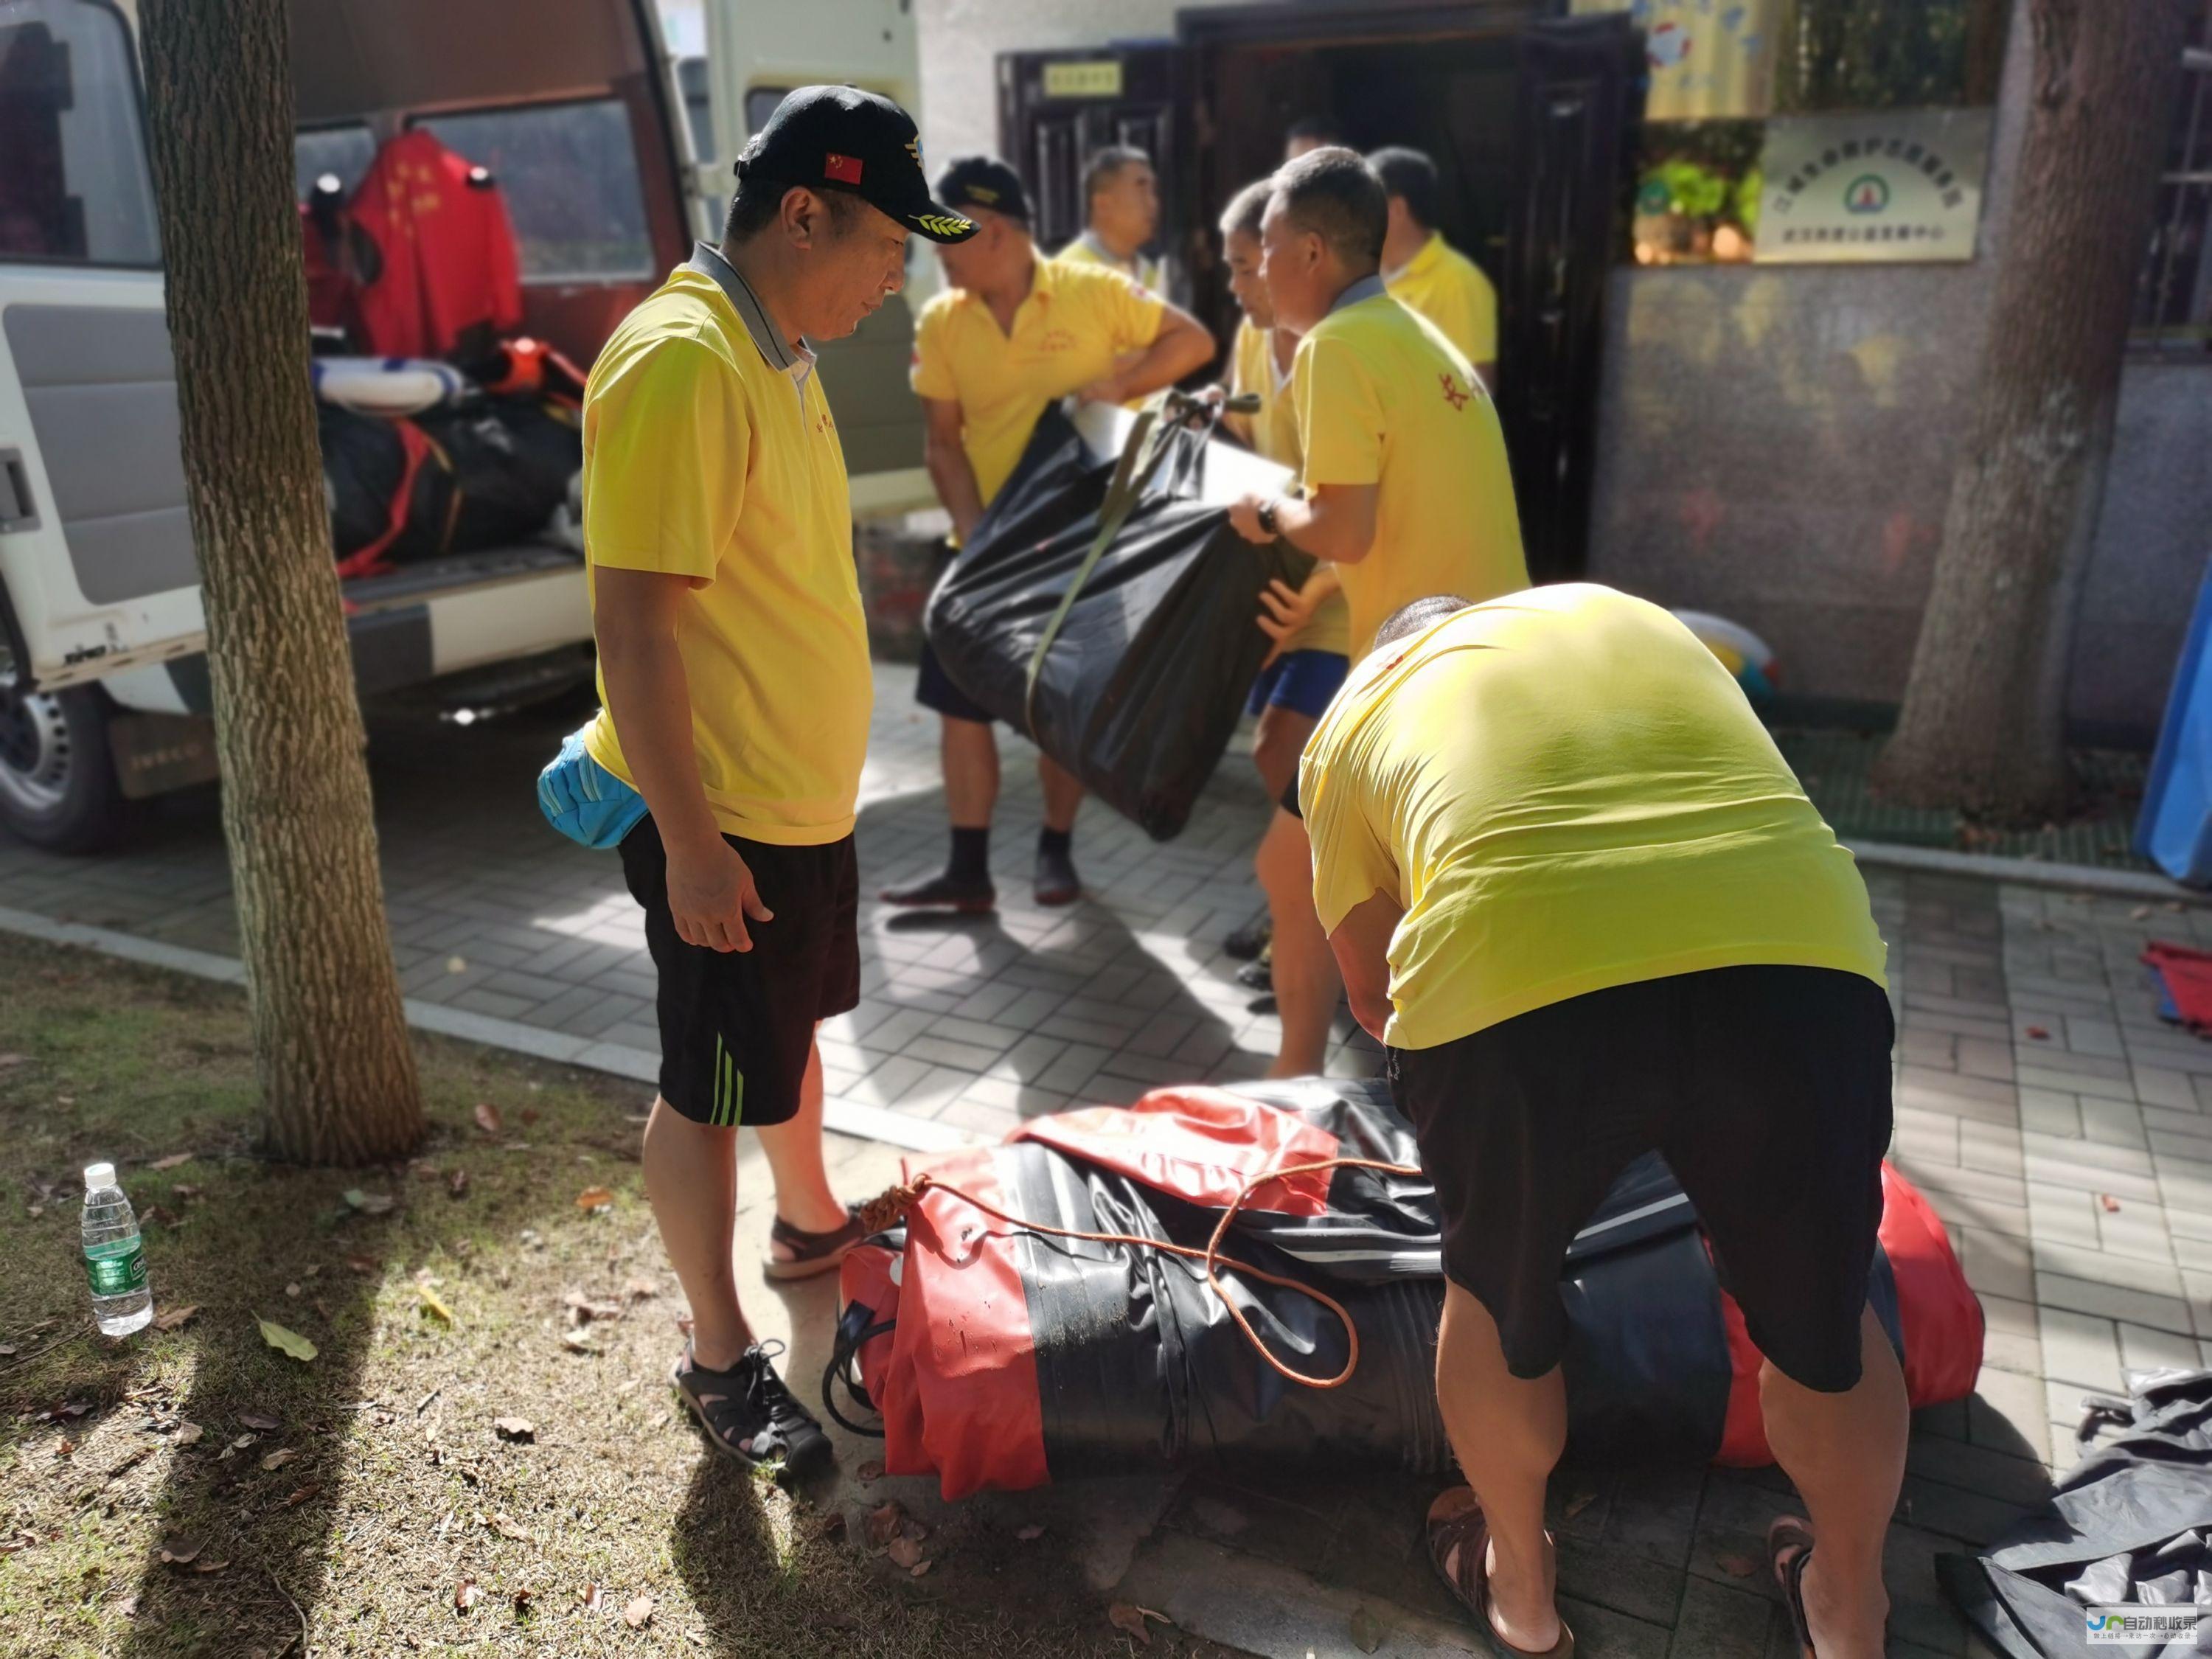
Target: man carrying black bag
[1011, 336]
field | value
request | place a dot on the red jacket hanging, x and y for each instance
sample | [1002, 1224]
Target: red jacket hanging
[438, 265]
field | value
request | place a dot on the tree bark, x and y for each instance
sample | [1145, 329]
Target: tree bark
[1982, 726]
[335, 1071]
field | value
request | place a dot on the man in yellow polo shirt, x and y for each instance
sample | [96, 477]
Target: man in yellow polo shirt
[1406, 492]
[1575, 888]
[1012, 334]
[1121, 214]
[1427, 273]
[734, 679]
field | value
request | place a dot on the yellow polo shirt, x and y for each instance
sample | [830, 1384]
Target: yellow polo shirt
[1084, 251]
[703, 458]
[1384, 400]
[1566, 792]
[1450, 289]
[1076, 321]
[1275, 434]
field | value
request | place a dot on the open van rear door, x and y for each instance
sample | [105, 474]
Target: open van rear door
[755, 54]
[96, 565]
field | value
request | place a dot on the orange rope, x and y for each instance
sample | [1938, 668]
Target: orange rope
[882, 1211]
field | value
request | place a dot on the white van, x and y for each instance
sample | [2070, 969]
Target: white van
[582, 117]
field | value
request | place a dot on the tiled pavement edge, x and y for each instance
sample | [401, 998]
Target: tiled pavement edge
[2064, 1135]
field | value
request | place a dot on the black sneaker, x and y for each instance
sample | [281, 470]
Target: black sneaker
[749, 1414]
[1056, 881]
[1247, 941]
[944, 891]
[1258, 975]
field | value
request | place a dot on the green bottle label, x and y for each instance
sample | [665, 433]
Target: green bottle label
[115, 1269]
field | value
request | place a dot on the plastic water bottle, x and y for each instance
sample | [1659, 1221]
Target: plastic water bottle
[114, 1260]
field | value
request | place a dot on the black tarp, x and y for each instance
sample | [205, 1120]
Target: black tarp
[1146, 678]
[2129, 1526]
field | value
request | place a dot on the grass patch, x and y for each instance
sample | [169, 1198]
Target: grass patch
[397, 1488]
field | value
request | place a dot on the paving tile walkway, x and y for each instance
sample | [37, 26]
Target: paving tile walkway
[2065, 1134]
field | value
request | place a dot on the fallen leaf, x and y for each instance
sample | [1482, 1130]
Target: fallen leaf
[67, 1449]
[522, 1601]
[1579, 1502]
[582, 1308]
[173, 1161]
[279, 1458]
[184, 1191]
[2038, 1033]
[361, 1264]
[593, 1598]
[189, 1435]
[1030, 1534]
[369, 1203]
[577, 1342]
[179, 1553]
[6, 1348]
[516, 1428]
[300, 1496]
[1736, 1566]
[594, 1198]
[910, 1528]
[2112, 1204]
[256, 1420]
[1129, 1617]
[73, 1409]
[871, 1470]
[290, 1342]
[459, 1184]
[639, 1614]
[466, 1595]
[209, 1566]
[128, 1607]
[528, 1115]
[883, 1523]
[503, 1524]
[175, 1317]
[904, 1553]
[293, 1289]
[1366, 1629]
[431, 1304]
[640, 1290]
[831, 1526]
[920, 1568]
[488, 1118]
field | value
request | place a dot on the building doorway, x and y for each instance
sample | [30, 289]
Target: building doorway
[1526, 115]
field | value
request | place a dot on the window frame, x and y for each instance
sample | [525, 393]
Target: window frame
[2189, 339]
[424, 119]
[342, 124]
[56, 262]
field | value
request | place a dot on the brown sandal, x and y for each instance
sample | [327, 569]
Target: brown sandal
[811, 1253]
[1456, 1521]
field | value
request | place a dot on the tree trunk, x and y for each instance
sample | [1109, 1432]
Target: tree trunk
[1983, 724]
[330, 1038]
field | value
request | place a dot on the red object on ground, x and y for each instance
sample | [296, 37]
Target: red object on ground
[2188, 976]
[1937, 1313]
[444, 262]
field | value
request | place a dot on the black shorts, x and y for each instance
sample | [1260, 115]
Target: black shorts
[1766, 1089]
[737, 1026]
[934, 689]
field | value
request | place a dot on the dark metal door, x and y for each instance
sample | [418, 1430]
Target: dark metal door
[1576, 81]
[1056, 107]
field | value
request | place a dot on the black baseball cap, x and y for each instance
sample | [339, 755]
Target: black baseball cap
[984, 181]
[842, 138]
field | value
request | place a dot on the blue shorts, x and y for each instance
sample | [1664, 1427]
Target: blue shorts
[1300, 680]
[934, 689]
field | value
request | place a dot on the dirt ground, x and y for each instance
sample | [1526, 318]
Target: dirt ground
[472, 1461]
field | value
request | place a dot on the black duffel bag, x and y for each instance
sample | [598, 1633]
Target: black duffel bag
[511, 459]
[1103, 611]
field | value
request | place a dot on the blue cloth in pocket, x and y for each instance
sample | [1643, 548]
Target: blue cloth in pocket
[585, 801]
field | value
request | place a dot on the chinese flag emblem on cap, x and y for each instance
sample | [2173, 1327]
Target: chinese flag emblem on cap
[845, 169]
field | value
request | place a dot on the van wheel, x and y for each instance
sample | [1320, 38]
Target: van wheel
[57, 784]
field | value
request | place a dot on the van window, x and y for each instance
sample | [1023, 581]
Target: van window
[570, 174]
[74, 186]
[761, 103]
[343, 152]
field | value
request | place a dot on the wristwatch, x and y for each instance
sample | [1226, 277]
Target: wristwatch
[1265, 514]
